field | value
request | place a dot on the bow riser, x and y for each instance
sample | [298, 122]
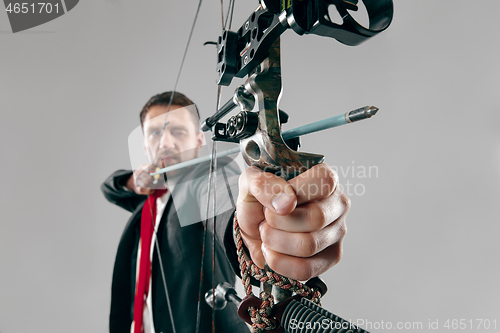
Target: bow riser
[266, 148]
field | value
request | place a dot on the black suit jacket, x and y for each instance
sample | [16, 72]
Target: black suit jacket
[180, 250]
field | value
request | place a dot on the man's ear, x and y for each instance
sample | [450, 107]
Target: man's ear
[199, 141]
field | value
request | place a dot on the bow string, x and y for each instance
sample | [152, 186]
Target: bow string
[226, 24]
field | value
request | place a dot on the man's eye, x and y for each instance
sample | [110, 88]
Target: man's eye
[154, 134]
[178, 133]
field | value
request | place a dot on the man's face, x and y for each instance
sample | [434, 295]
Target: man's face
[180, 141]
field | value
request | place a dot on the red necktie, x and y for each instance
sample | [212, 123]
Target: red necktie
[148, 220]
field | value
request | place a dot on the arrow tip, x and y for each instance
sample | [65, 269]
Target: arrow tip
[371, 111]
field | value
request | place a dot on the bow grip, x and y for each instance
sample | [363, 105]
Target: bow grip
[266, 148]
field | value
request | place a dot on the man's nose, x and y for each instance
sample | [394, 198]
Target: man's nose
[167, 141]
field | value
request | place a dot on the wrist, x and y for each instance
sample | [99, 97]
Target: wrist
[127, 183]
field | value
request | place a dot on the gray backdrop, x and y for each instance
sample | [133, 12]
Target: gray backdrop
[423, 227]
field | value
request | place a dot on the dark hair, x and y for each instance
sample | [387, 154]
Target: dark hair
[178, 99]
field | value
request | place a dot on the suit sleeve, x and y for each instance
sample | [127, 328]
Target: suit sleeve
[114, 191]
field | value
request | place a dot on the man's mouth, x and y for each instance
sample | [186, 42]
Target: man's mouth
[167, 160]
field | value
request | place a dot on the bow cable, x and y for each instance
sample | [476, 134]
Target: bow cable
[200, 289]
[152, 160]
[212, 182]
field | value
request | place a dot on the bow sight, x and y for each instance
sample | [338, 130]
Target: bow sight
[240, 52]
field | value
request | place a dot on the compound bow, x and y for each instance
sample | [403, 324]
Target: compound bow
[253, 51]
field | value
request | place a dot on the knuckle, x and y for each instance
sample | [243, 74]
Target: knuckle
[272, 261]
[342, 230]
[244, 176]
[315, 216]
[329, 179]
[270, 219]
[308, 245]
[339, 252]
[330, 173]
[318, 215]
[346, 201]
[258, 181]
[265, 234]
[242, 180]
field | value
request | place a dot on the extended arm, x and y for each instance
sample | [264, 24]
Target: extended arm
[114, 190]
